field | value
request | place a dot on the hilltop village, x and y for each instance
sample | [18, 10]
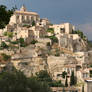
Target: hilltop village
[35, 44]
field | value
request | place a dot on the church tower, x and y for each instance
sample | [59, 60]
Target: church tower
[23, 8]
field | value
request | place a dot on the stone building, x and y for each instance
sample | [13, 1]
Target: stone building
[25, 33]
[23, 16]
[88, 85]
[63, 28]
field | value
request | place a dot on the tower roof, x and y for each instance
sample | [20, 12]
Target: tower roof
[23, 8]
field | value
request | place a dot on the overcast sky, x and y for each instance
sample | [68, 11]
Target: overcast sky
[77, 12]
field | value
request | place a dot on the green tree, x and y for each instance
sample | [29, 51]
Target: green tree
[22, 42]
[73, 79]
[16, 81]
[4, 45]
[6, 57]
[38, 86]
[51, 30]
[64, 74]
[66, 82]
[83, 88]
[13, 82]
[5, 15]
[5, 33]
[54, 39]
[34, 41]
[80, 33]
[44, 76]
[10, 34]
[56, 84]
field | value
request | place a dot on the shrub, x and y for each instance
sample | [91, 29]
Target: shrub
[6, 57]
[56, 84]
[51, 30]
[4, 45]
[44, 76]
[10, 34]
[14, 42]
[64, 74]
[22, 42]
[54, 39]
[80, 33]
[5, 33]
[34, 41]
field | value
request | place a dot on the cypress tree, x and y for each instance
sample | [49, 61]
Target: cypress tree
[83, 88]
[72, 79]
[66, 82]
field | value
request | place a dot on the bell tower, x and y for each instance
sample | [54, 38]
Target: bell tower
[23, 8]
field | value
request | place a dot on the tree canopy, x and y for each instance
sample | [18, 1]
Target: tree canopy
[16, 81]
[5, 15]
[44, 76]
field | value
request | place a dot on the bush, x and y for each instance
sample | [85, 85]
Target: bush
[53, 39]
[34, 41]
[64, 74]
[80, 33]
[5, 33]
[14, 42]
[10, 34]
[4, 45]
[22, 42]
[51, 30]
[56, 84]
[43, 76]
[6, 57]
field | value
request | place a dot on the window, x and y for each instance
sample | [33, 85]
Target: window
[22, 18]
[17, 17]
[62, 30]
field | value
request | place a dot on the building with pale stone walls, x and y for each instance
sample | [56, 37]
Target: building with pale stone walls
[88, 85]
[23, 16]
[25, 33]
[63, 28]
